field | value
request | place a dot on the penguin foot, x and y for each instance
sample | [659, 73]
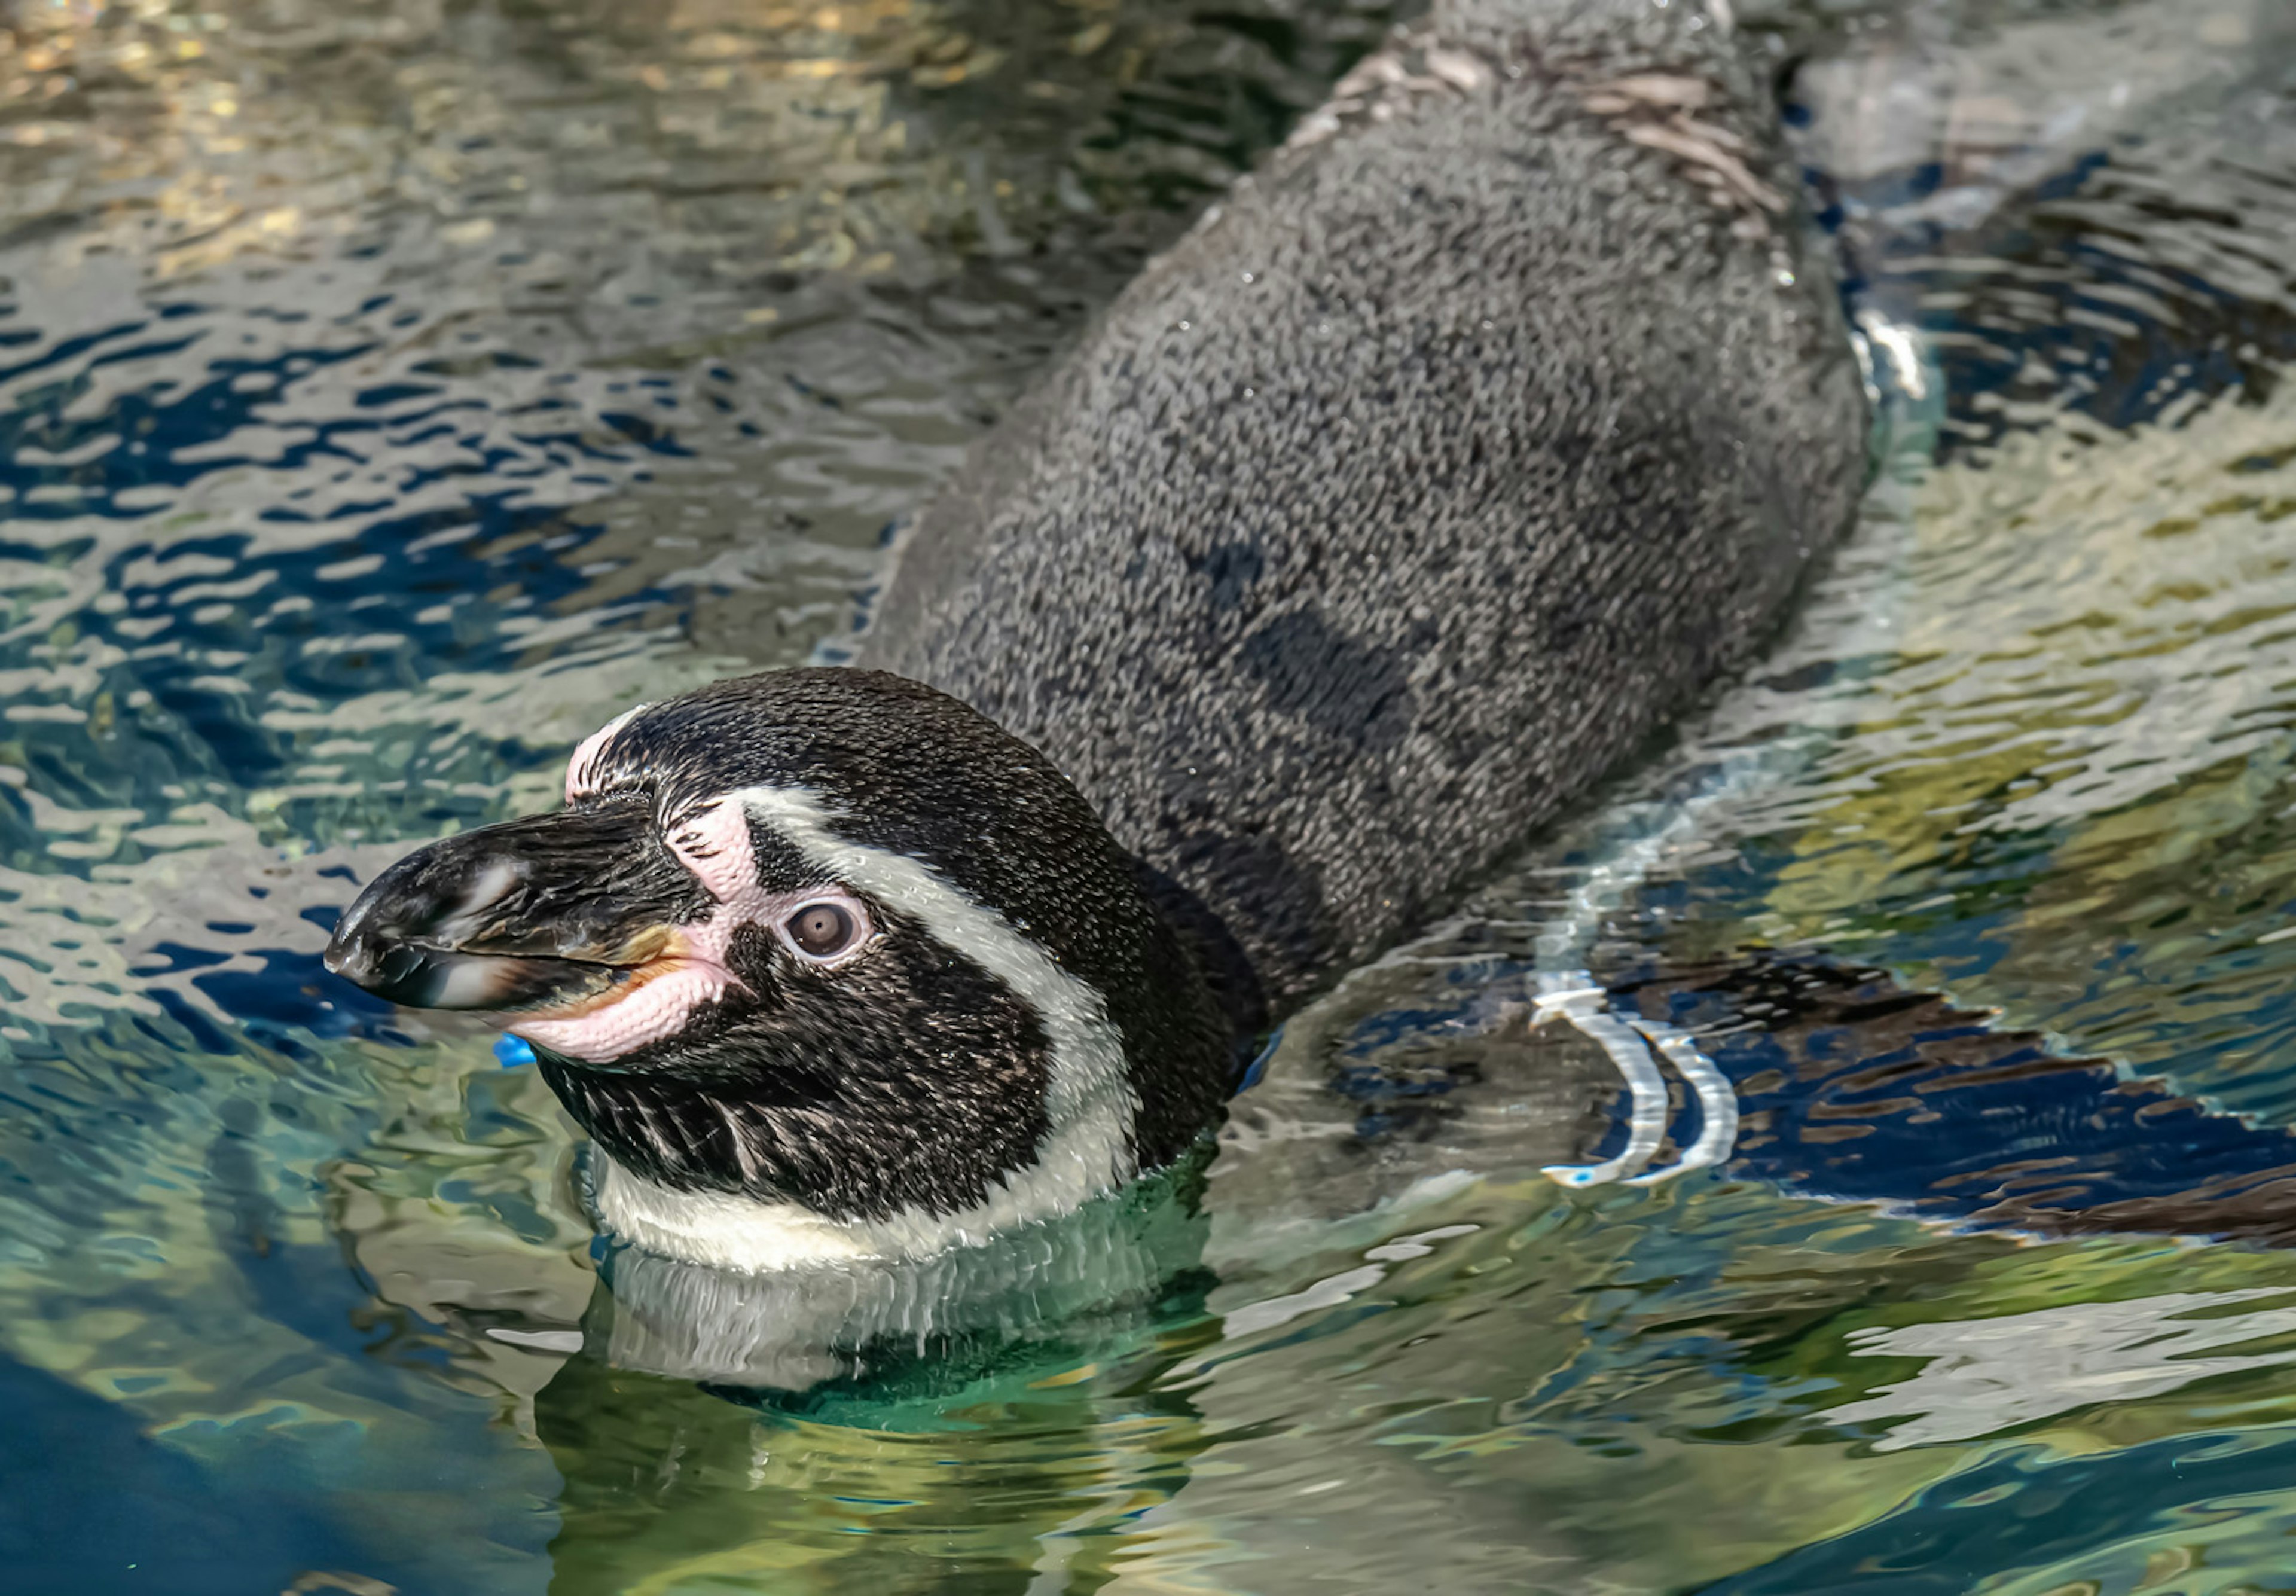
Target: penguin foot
[1717, 1103]
[1574, 996]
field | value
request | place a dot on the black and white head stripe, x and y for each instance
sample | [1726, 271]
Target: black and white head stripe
[1088, 1100]
[986, 1021]
[1089, 1103]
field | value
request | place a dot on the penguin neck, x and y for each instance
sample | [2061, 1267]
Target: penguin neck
[1220, 956]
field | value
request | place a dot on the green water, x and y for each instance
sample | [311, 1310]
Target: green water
[391, 393]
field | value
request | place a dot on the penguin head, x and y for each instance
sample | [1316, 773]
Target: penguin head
[824, 938]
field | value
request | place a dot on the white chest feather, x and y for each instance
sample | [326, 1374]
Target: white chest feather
[725, 1232]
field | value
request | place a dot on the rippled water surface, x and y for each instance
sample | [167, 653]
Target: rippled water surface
[390, 393]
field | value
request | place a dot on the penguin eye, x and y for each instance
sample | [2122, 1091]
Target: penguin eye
[823, 930]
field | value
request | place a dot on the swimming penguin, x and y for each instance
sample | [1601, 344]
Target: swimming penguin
[1453, 454]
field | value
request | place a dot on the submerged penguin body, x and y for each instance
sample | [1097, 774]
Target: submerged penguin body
[1452, 455]
[1427, 477]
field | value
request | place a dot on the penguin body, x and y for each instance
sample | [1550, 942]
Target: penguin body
[1422, 481]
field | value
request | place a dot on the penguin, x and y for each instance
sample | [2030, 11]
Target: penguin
[1441, 465]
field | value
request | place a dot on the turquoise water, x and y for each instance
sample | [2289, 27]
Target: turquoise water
[392, 393]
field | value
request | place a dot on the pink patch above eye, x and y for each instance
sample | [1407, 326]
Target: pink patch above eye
[713, 844]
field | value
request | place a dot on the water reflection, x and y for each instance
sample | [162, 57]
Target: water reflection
[1988, 1376]
[992, 1417]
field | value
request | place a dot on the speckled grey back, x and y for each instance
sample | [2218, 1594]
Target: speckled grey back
[1447, 459]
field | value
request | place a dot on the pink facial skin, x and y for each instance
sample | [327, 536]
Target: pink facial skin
[645, 1010]
[656, 1003]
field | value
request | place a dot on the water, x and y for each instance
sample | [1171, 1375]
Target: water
[392, 394]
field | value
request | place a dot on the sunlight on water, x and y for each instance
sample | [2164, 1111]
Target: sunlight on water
[389, 396]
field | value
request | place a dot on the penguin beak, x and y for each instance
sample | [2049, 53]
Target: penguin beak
[542, 912]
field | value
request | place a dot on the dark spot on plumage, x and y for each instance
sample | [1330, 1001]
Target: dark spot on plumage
[1334, 683]
[1231, 568]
